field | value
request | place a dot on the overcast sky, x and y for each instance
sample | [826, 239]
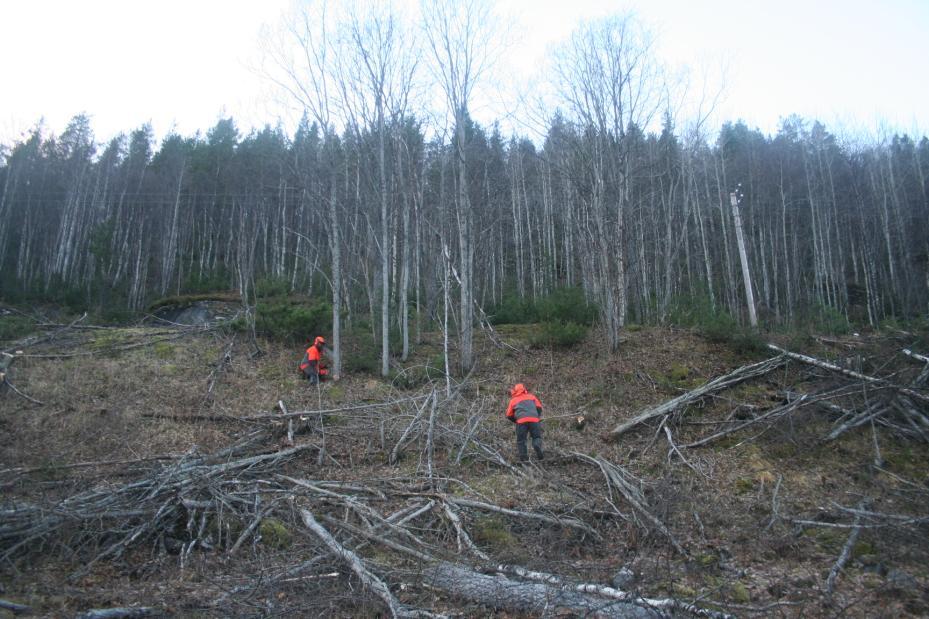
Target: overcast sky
[858, 65]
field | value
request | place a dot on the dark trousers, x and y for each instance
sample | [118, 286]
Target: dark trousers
[313, 377]
[535, 429]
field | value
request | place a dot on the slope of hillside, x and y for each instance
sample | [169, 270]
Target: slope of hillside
[186, 425]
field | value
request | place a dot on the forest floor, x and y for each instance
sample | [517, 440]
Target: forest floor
[124, 402]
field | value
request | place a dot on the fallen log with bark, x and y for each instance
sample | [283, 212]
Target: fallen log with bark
[537, 598]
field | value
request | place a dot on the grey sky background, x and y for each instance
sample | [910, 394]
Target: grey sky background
[859, 66]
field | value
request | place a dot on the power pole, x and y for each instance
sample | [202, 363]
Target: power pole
[746, 276]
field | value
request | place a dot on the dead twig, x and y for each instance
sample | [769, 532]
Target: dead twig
[845, 555]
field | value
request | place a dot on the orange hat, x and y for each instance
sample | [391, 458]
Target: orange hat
[319, 340]
[517, 389]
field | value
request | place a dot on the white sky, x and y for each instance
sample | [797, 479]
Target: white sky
[858, 65]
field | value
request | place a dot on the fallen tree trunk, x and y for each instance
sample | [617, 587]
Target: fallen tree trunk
[613, 593]
[718, 384]
[533, 597]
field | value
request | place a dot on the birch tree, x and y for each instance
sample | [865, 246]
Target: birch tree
[608, 80]
[299, 58]
[460, 35]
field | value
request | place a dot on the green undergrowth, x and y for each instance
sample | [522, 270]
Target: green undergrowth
[15, 327]
[558, 335]
[561, 306]
[228, 296]
[290, 319]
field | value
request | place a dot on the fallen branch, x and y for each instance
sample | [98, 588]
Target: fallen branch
[674, 449]
[569, 522]
[79, 465]
[401, 443]
[331, 410]
[632, 495]
[461, 533]
[357, 565]
[849, 373]
[15, 608]
[777, 410]
[723, 382]
[6, 382]
[845, 555]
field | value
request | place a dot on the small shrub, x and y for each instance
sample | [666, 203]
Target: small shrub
[739, 593]
[696, 311]
[863, 549]
[492, 532]
[742, 340]
[824, 320]
[272, 287]
[567, 305]
[291, 319]
[209, 282]
[337, 394]
[678, 372]
[365, 363]
[362, 355]
[562, 305]
[163, 350]
[744, 485]
[513, 311]
[557, 335]
[274, 534]
[417, 375]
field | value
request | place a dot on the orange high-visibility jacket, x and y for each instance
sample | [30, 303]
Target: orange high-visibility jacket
[524, 407]
[313, 358]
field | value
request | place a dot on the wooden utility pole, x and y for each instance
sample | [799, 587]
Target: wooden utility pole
[746, 276]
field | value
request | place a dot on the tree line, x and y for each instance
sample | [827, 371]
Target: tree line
[386, 212]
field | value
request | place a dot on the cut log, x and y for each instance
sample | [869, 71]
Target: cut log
[717, 384]
[535, 598]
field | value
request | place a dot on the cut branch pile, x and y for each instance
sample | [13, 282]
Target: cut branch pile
[852, 398]
[403, 538]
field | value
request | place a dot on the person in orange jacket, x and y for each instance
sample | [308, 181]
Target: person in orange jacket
[525, 410]
[312, 364]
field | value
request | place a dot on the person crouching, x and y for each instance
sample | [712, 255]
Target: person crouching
[312, 364]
